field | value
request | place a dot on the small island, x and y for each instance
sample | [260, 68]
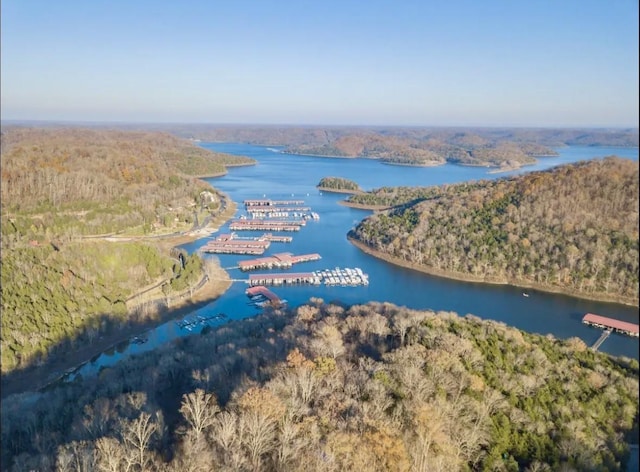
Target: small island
[338, 185]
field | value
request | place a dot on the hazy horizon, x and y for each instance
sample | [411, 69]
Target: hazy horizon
[466, 64]
[294, 125]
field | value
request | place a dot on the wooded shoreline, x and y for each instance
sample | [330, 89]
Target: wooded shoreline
[35, 378]
[470, 278]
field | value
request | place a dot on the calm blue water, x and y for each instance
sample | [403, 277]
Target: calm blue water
[283, 176]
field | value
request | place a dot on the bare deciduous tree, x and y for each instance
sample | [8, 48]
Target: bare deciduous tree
[137, 436]
[199, 409]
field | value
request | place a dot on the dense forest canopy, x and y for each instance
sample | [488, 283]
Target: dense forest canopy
[492, 147]
[338, 184]
[573, 228]
[62, 188]
[100, 181]
[327, 387]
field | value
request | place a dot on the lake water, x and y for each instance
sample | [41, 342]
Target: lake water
[283, 176]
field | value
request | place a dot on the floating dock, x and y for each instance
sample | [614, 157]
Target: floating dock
[261, 295]
[226, 244]
[337, 276]
[270, 209]
[276, 239]
[284, 279]
[190, 323]
[343, 277]
[267, 202]
[283, 260]
[260, 225]
[623, 327]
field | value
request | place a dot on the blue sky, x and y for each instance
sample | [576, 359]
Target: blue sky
[371, 62]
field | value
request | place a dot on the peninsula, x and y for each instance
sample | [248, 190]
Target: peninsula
[572, 229]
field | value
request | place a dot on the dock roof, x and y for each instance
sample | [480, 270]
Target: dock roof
[283, 276]
[611, 323]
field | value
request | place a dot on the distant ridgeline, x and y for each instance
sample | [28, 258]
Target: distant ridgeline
[491, 147]
[572, 229]
[62, 189]
[465, 137]
[338, 184]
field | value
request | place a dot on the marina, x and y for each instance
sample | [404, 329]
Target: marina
[261, 211]
[271, 209]
[330, 277]
[283, 260]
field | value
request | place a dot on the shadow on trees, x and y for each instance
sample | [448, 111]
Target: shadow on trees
[86, 345]
[219, 359]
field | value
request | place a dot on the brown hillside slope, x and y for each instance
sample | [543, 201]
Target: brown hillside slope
[572, 229]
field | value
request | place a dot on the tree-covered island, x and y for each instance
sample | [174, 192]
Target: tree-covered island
[338, 185]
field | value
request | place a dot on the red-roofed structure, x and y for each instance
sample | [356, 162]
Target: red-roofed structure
[624, 327]
[283, 260]
[265, 292]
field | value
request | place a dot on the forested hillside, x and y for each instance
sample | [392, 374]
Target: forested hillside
[81, 181]
[62, 285]
[494, 147]
[325, 387]
[466, 148]
[573, 228]
[290, 135]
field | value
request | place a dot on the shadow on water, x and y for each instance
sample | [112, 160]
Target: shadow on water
[72, 353]
[539, 312]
